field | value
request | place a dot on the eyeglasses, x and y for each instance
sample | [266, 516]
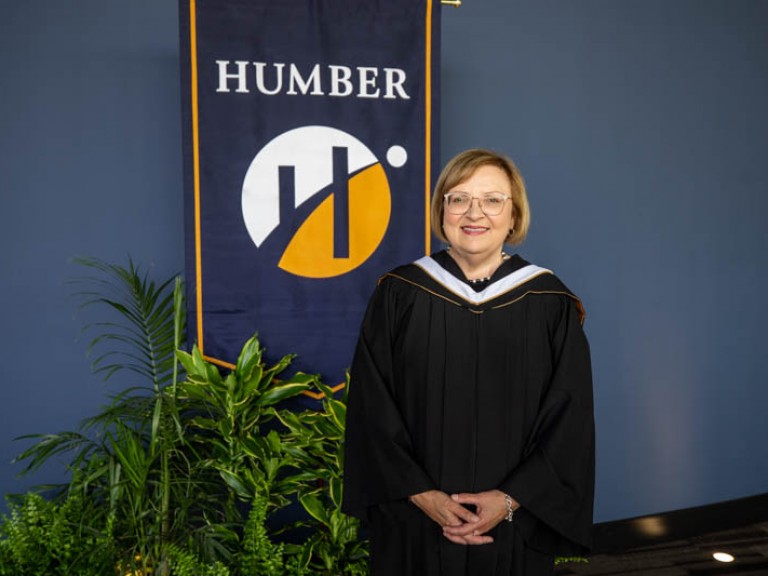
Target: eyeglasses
[458, 203]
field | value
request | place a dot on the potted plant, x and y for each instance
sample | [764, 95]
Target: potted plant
[181, 472]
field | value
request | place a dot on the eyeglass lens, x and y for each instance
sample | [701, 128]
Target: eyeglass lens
[491, 204]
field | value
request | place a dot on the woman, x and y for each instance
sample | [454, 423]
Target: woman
[470, 435]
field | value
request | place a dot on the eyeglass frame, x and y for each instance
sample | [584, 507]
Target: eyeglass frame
[479, 199]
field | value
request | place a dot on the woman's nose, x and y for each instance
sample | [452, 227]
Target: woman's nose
[472, 203]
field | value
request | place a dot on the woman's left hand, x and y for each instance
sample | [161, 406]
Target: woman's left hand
[490, 508]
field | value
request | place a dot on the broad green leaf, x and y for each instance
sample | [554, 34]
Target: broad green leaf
[252, 448]
[274, 443]
[272, 371]
[200, 365]
[202, 423]
[334, 489]
[315, 508]
[336, 524]
[282, 392]
[212, 372]
[306, 553]
[224, 427]
[325, 389]
[249, 384]
[338, 411]
[303, 477]
[271, 468]
[249, 358]
[236, 484]
[301, 377]
[187, 361]
[289, 418]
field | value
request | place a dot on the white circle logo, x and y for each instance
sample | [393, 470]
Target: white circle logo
[333, 184]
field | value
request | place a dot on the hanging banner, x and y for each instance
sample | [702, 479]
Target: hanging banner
[310, 150]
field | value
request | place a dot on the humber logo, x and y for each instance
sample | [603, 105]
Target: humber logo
[321, 197]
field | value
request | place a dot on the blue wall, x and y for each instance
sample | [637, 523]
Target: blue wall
[641, 129]
[90, 164]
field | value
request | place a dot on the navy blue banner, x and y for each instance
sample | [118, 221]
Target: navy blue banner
[310, 150]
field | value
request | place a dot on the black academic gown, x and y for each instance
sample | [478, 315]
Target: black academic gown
[466, 391]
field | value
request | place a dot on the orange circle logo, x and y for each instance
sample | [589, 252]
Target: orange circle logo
[343, 184]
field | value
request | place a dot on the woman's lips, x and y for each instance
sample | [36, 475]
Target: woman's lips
[473, 230]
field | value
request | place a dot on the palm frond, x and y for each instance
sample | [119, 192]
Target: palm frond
[143, 336]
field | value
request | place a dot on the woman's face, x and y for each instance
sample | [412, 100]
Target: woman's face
[475, 234]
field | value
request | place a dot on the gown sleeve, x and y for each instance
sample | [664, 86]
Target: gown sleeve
[378, 462]
[554, 482]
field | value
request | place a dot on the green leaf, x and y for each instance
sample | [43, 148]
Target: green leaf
[250, 384]
[156, 415]
[143, 324]
[194, 364]
[212, 373]
[274, 443]
[289, 419]
[224, 427]
[302, 477]
[338, 411]
[236, 484]
[334, 489]
[306, 552]
[203, 423]
[271, 468]
[249, 358]
[270, 373]
[187, 361]
[315, 508]
[254, 448]
[278, 393]
[336, 524]
[301, 377]
[324, 388]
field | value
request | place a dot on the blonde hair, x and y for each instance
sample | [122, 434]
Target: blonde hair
[460, 168]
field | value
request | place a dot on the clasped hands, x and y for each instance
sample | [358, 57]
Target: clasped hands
[461, 525]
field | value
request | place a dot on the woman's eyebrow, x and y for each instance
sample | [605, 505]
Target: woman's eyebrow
[485, 192]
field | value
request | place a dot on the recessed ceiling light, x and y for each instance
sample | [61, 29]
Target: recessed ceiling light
[723, 557]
